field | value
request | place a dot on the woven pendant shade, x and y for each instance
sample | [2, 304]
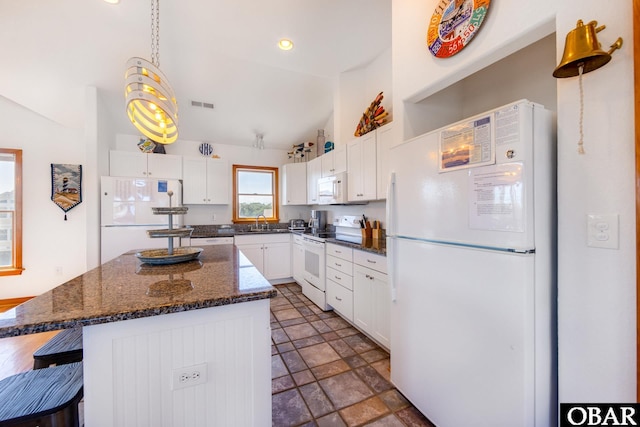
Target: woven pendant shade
[151, 102]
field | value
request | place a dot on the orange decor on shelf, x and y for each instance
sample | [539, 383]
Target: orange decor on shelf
[374, 116]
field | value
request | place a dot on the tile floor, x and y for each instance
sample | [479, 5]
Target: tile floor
[326, 373]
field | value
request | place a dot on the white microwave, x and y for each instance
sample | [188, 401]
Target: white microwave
[332, 190]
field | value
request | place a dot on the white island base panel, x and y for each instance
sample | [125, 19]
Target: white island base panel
[129, 369]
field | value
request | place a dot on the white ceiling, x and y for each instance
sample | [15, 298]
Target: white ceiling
[218, 51]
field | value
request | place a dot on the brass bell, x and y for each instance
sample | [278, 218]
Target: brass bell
[582, 48]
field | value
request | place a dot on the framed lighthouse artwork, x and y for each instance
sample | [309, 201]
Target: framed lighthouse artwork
[453, 25]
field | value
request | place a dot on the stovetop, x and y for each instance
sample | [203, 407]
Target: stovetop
[319, 235]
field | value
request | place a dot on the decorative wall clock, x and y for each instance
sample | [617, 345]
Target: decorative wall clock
[453, 24]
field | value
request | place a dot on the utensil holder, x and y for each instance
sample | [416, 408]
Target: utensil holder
[366, 233]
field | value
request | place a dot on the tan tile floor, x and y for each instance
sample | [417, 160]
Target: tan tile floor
[326, 373]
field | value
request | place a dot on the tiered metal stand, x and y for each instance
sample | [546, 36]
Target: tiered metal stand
[170, 255]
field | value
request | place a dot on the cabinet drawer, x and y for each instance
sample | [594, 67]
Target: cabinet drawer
[340, 299]
[340, 265]
[373, 261]
[340, 251]
[340, 278]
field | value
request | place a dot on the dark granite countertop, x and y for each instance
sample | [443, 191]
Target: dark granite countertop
[210, 231]
[368, 245]
[125, 288]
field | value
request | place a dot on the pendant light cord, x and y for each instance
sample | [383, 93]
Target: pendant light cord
[155, 32]
[581, 141]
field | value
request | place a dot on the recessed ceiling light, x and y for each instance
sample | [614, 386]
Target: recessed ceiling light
[112, 1]
[285, 44]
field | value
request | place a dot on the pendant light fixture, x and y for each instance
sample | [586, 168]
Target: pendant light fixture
[151, 102]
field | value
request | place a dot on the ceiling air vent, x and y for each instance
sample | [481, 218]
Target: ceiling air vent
[202, 104]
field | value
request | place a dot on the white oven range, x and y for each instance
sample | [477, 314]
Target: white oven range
[313, 283]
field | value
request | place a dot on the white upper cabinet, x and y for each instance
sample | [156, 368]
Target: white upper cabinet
[205, 181]
[361, 161]
[384, 142]
[294, 184]
[314, 172]
[145, 165]
[335, 161]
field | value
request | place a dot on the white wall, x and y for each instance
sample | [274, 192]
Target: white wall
[356, 90]
[50, 244]
[597, 352]
[597, 288]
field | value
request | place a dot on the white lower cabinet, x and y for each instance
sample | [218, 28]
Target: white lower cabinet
[269, 253]
[297, 259]
[371, 296]
[339, 279]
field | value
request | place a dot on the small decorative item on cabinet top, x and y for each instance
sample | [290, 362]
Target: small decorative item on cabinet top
[300, 152]
[146, 145]
[328, 146]
[374, 116]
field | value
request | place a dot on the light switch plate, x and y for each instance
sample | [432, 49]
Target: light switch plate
[602, 231]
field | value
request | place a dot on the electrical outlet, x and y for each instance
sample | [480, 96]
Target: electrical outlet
[189, 376]
[602, 231]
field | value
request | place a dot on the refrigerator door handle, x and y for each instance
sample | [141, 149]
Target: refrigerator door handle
[391, 186]
[391, 250]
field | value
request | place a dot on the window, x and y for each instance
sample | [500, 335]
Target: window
[255, 191]
[10, 211]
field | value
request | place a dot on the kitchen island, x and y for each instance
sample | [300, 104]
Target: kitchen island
[183, 344]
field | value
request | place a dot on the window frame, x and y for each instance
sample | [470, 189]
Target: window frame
[275, 193]
[16, 265]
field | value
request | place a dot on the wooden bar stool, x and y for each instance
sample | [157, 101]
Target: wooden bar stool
[43, 397]
[65, 347]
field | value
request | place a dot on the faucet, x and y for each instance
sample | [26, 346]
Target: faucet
[266, 224]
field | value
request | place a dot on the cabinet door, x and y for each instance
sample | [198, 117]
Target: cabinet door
[294, 189]
[253, 252]
[372, 303]
[194, 182]
[297, 260]
[339, 159]
[362, 297]
[326, 164]
[218, 182]
[354, 161]
[384, 142]
[277, 260]
[128, 163]
[165, 166]
[381, 300]
[313, 173]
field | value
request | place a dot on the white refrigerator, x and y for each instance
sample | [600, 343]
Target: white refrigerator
[472, 248]
[126, 213]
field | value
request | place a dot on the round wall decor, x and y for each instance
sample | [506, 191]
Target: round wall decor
[453, 24]
[205, 149]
